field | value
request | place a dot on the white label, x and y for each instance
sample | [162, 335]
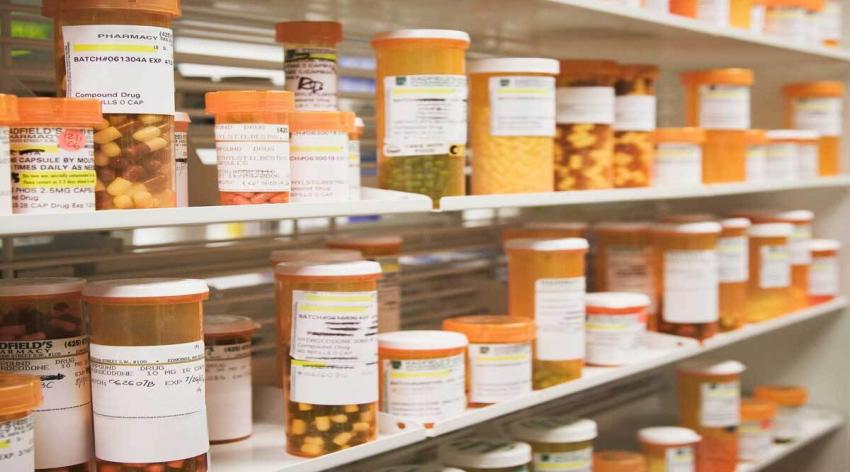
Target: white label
[52, 170]
[724, 107]
[754, 439]
[821, 114]
[756, 163]
[354, 168]
[832, 21]
[775, 267]
[677, 164]
[499, 371]
[680, 459]
[425, 114]
[788, 424]
[321, 383]
[580, 460]
[823, 276]
[807, 167]
[690, 286]
[522, 106]
[559, 318]
[758, 15]
[714, 11]
[150, 392]
[634, 113]
[5, 173]
[720, 404]
[425, 390]
[311, 75]
[630, 270]
[798, 244]
[252, 157]
[228, 384]
[181, 168]
[658, 6]
[129, 68]
[16, 445]
[335, 326]
[590, 105]
[613, 339]
[781, 161]
[734, 259]
[320, 166]
[788, 23]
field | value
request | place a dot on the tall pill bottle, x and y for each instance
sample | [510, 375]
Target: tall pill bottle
[227, 340]
[8, 116]
[546, 230]
[624, 261]
[19, 395]
[733, 261]
[558, 443]
[181, 158]
[824, 272]
[669, 448]
[799, 251]
[634, 121]
[310, 62]
[769, 293]
[818, 106]
[319, 157]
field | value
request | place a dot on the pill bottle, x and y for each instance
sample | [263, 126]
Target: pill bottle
[19, 396]
[558, 443]
[733, 261]
[319, 157]
[716, 12]
[8, 117]
[55, 133]
[807, 163]
[418, 468]
[330, 388]
[181, 158]
[227, 340]
[824, 272]
[790, 401]
[42, 329]
[310, 62]
[584, 139]
[769, 293]
[422, 374]
[782, 155]
[314, 255]
[486, 455]
[799, 251]
[687, 269]
[498, 356]
[709, 394]
[669, 448]
[354, 159]
[787, 19]
[512, 124]
[634, 121]
[814, 22]
[678, 157]
[615, 323]
[420, 149]
[657, 6]
[618, 461]
[831, 18]
[252, 145]
[134, 145]
[148, 332]
[756, 432]
[546, 283]
[546, 230]
[756, 155]
[818, 106]
[758, 15]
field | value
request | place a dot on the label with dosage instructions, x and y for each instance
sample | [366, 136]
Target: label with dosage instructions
[821, 114]
[691, 286]
[634, 113]
[424, 389]
[580, 460]
[756, 166]
[823, 276]
[5, 173]
[522, 106]
[498, 372]
[228, 384]
[781, 161]
[613, 339]
[807, 155]
[335, 326]
[734, 259]
[17, 441]
[559, 318]
[325, 383]
[754, 438]
[320, 170]
[311, 75]
[775, 267]
[677, 164]
[720, 404]
[724, 107]
[585, 105]
[680, 459]
[629, 269]
[798, 244]
[714, 11]
[252, 157]
[181, 167]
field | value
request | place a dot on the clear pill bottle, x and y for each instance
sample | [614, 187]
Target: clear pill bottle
[669, 448]
[310, 62]
[558, 443]
[319, 157]
[756, 156]
[634, 121]
[824, 271]
[227, 340]
[678, 157]
[181, 157]
[790, 401]
[8, 116]
[769, 293]
[618, 461]
[624, 261]
[818, 106]
[756, 432]
[733, 261]
[19, 396]
[486, 455]
[615, 323]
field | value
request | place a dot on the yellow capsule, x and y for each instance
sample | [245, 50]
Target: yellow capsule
[102, 125]
[350, 408]
[311, 449]
[147, 133]
[340, 418]
[323, 423]
[101, 159]
[342, 439]
[107, 135]
[298, 427]
[110, 149]
[314, 440]
[305, 407]
[361, 427]
[119, 186]
[150, 119]
[156, 144]
[123, 202]
[143, 199]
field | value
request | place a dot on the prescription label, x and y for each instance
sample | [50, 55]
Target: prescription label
[733, 259]
[807, 157]
[690, 286]
[634, 113]
[823, 276]
[754, 438]
[52, 170]
[585, 105]
[63, 367]
[680, 459]
[798, 244]
[181, 168]
[228, 385]
[5, 173]
[311, 75]
[580, 460]
[724, 107]
[559, 318]
[756, 163]
[130, 69]
[629, 269]
[781, 161]
[354, 168]
[522, 106]
[613, 339]
[677, 164]
[252, 157]
[499, 371]
[821, 114]
[320, 170]
[322, 383]
[775, 267]
[424, 389]
[338, 327]
[714, 11]
[720, 404]
[788, 423]
[425, 115]
[148, 402]
[17, 444]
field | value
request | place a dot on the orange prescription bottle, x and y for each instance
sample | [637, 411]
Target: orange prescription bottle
[758, 15]
[422, 374]
[755, 434]
[679, 158]
[354, 137]
[8, 116]
[181, 158]
[800, 252]
[546, 230]
[733, 261]
[832, 19]
[710, 403]
[634, 121]
[618, 461]
[782, 163]
[718, 12]
[769, 293]
[788, 19]
[319, 157]
[314, 255]
[252, 145]
[558, 443]
[818, 106]
[310, 65]
[615, 323]
[498, 357]
[422, 149]
[512, 124]
[148, 332]
[330, 388]
[687, 271]
[790, 421]
[669, 448]
[756, 155]
[62, 129]
[546, 283]
[486, 455]
[19, 396]
[824, 272]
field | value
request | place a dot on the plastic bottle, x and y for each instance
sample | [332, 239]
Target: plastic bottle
[19, 395]
[8, 116]
[310, 64]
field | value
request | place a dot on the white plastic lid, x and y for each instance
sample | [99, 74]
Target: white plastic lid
[557, 225]
[824, 245]
[534, 244]
[182, 117]
[358, 122]
[534, 65]
[384, 240]
[617, 300]
[705, 227]
[795, 134]
[419, 468]
[316, 255]
[422, 340]
[771, 230]
[226, 324]
[145, 288]
[319, 269]
[424, 34]
[796, 216]
[668, 436]
[735, 223]
[484, 453]
[623, 226]
[711, 367]
[36, 286]
[554, 430]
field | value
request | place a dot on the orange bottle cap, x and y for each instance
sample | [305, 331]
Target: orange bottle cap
[753, 409]
[350, 120]
[19, 393]
[227, 325]
[436, 37]
[633, 71]
[731, 76]
[59, 111]
[309, 32]
[250, 100]
[492, 328]
[51, 8]
[679, 135]
[390, 243]
[782, 395]
[754, 137]
[815, 5]
[8, 109]
[618, 461]
[822, 88]
[318, 120]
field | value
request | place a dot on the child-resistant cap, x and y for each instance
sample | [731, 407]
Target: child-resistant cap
[40, 286]
[250, 100]
[79, 112]
[309, 32]
[421, 340]
[220, 325]
[8, 109]
[515, 65]
[137, 290]
[19, 393]
[668, 436]
[485, 453]
[554, 430]
[492, 328]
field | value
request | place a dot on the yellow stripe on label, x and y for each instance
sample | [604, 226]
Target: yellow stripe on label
[114, 48]
[307, 363]
[338, 298]
[507, 357]
[333, 308]
[316, 149]
[57, 179]
[47, 149]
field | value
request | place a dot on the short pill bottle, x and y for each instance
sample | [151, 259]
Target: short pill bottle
[8, 116]
[733, 253]
[615, 323]
[134, 144]
[19, 396]
[618, 461]
[319, 157]
[678, 157]
[498, 356]
[669, 448]
[624, 261]
[584, 138]
[148, 332]
[788, 20]
[181, 158]
[310, 62]
[252, 145]
[422, 374]
[227, 340]
[330, 389]
[756, 156]
[42, 330]
[769, 293]
[512, 124]
[546, 230]
[546, 283]
[354, 157]
[486, 455]
[557, 442]
[634, 122]
[782, 164]
[756, 432]
[819, 107]
[824, 271]
[790, 401]
[57, 131]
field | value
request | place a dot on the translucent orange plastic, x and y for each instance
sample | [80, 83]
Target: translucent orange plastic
[718, 451]
[630, 243]
[656, 454]
[733, 295]
[821, 254]
[618, 461]
[544, 231]
[829, 147]
[765, 303]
